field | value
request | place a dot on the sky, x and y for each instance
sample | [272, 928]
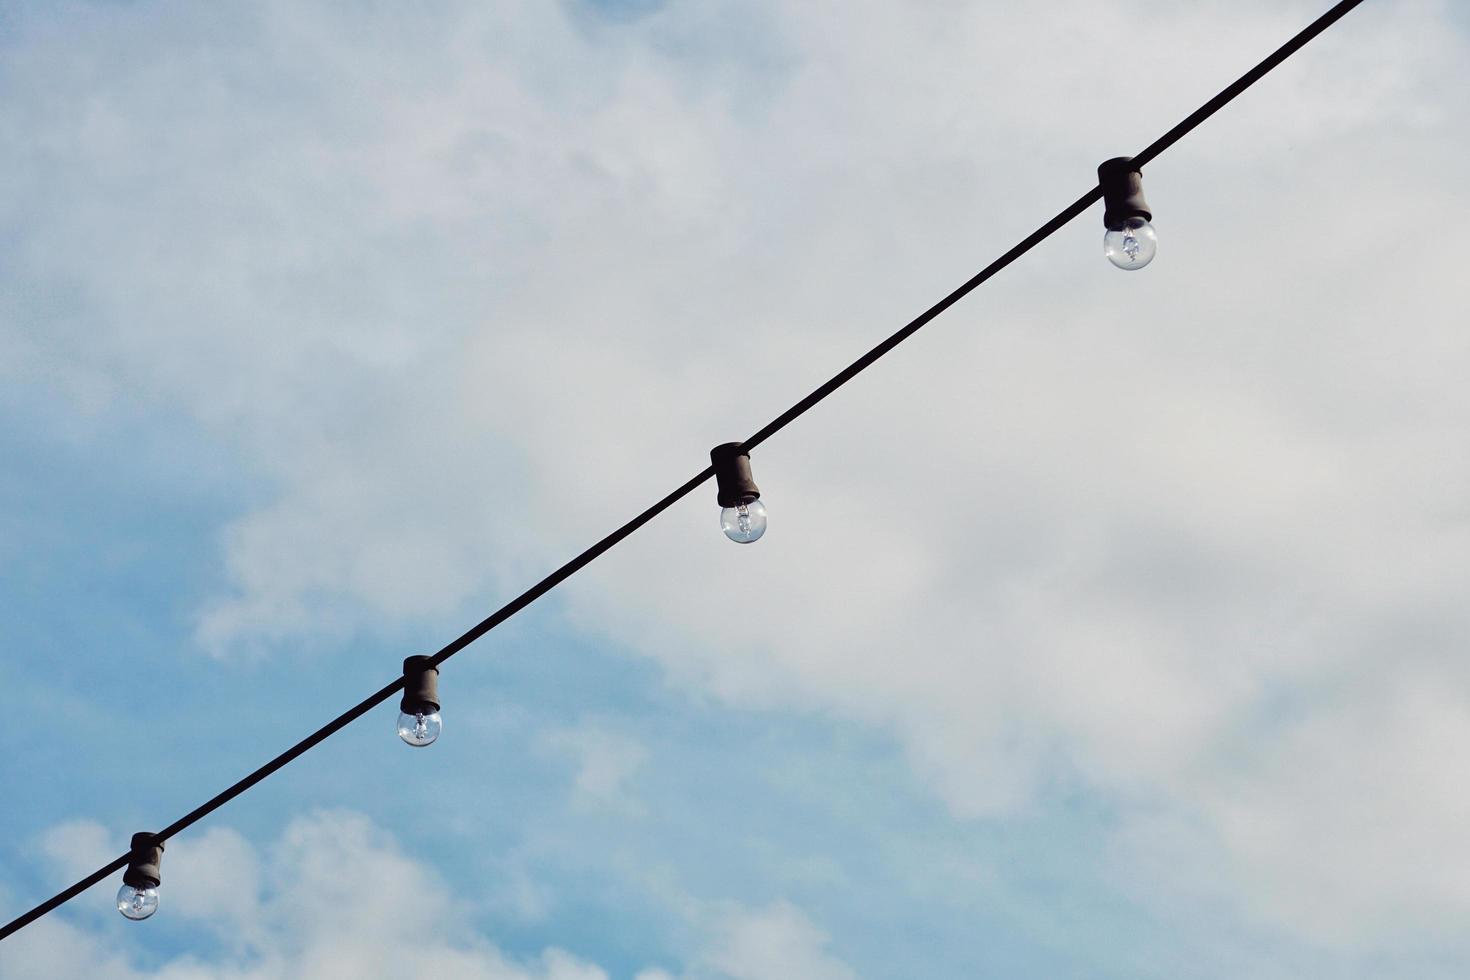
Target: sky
[1113, 626]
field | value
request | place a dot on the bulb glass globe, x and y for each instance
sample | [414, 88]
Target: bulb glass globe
[1133, 246]
[745, 522]
[137, 903]
[419, 728]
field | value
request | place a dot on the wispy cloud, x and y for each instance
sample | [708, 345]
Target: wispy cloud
[605, 762]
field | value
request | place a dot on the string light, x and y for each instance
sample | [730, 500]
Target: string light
[137, 899]
[743, 518]
[419, 723]
[1130, 242]
[1120, 184]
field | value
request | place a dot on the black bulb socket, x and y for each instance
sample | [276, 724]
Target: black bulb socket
[1122, 187]
[144, 858]
[420, 686]
[732, 474]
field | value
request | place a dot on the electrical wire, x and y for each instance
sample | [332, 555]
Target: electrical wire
[561, 574]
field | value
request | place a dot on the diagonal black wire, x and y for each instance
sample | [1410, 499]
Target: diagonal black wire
[775, 425]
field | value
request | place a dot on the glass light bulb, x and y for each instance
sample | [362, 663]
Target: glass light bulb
[419, 728]
[1133, 246]
[137, 903]
[745, 522]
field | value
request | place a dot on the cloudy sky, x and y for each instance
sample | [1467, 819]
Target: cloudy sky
[1115, 626]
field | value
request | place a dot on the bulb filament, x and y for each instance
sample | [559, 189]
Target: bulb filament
[742, 518]
[420, 728]
[1131, 246]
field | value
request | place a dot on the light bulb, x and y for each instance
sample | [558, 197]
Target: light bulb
[137, 903]
[744, 522]
[419, 728]
[1133, 246]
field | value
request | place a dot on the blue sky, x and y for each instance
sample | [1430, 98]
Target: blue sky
[1112, 628]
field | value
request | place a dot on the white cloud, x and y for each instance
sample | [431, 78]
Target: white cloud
[605, 761]
[74, 847]
[215, 877]
[466, 291]
[1380, 828]
[774, 943]
[335, 896]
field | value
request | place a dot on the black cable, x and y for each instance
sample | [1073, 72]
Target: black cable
[775, 425]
